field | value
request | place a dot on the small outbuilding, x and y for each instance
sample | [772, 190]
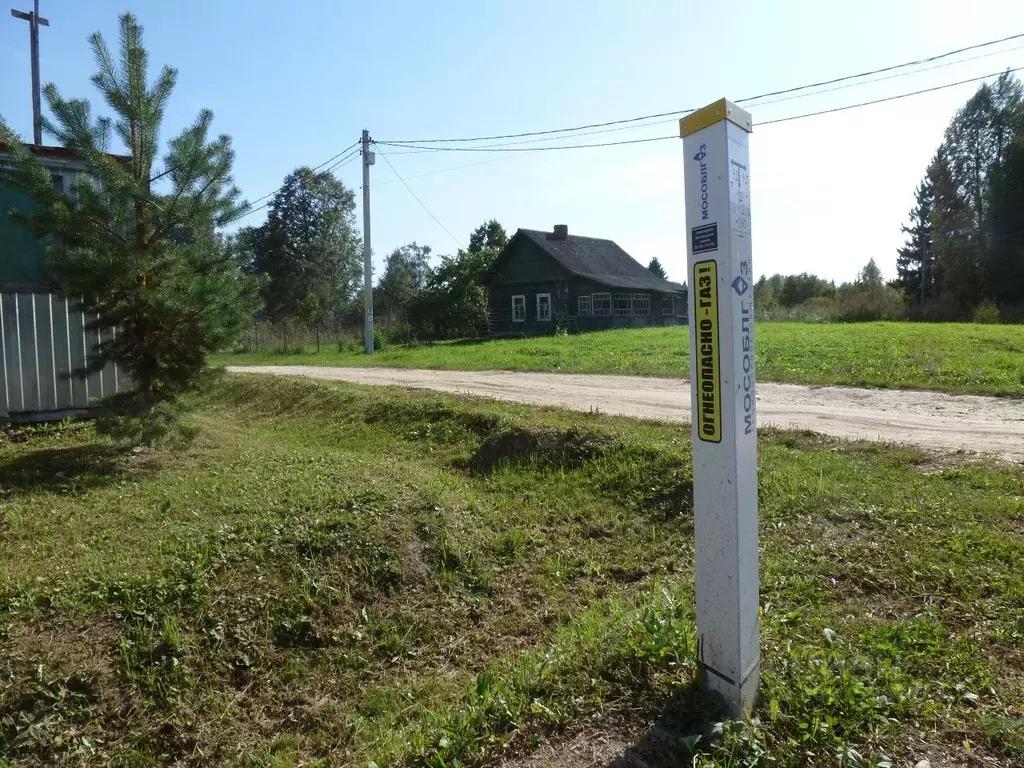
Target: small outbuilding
[43, 337]
[544, 281]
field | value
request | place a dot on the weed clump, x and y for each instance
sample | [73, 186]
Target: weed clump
[541, 448]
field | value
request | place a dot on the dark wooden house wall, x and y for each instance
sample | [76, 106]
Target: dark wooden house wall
[528, 271]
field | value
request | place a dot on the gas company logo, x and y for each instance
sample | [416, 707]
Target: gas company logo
[699, 157]
[740, 285]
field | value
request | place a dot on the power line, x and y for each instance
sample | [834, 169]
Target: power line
[345, 161]
[621, 129]
[450, 168]
[349, 155]
[929, 60]
[671, 113]
[888, 98]
[891, 77]
[317, 168]
[665, 138]
[415, 197]
[525, 148]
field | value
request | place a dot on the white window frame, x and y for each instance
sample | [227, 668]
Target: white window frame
[627, 298]
[521, 298]
[639, 300]
[539, 318]
[668, 305]
[596, 297]
[584, 305]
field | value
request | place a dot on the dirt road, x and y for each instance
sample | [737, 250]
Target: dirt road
[929, 419]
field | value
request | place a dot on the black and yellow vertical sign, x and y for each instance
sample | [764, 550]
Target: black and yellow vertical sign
[705, 326]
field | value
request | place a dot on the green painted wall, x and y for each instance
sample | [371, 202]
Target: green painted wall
[21, 255]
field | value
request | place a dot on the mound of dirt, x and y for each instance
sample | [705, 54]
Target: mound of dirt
[547, 448]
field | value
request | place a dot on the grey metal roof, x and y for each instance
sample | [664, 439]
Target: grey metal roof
[599, 260]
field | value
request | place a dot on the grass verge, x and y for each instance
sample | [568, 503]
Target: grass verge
[951, 357]
[335, 575]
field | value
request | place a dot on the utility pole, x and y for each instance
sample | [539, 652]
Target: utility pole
[368, 160]
[34, 20]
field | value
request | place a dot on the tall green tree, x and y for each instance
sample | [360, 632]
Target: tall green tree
[973, 180]
[870, 276]
[308, 246]
[406, 272]
[656, 268]
[137, 246]
[914, 272]
[454, 303]
[796, 289]
[955, 239]
[1004, 265]
[489, 235]
[767, 290]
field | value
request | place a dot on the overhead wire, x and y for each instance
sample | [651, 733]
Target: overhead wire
[888, 98]
[620, 129]
[416, 197]
[348, 156]
[451, 168]
[511, 149]
[674, 136]
[889, 77]
[676, 112]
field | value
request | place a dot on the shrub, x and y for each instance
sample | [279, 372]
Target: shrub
[938, 310]
[819, 309]
[987, 312]
[859, 303]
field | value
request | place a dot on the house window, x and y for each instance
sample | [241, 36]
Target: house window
[602, 304]
[518, 309]
[585, 305]
[668, 305]
[641, 303]
[543, 307]
[58, 183]
[623, 304]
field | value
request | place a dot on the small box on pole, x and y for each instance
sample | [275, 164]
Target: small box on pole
[723, 399]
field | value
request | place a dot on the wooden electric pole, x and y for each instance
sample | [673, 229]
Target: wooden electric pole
[368, 160]
[34, 20]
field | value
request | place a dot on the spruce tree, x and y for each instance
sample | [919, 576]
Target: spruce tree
[656, 268]
[914, 273]
[135, 246]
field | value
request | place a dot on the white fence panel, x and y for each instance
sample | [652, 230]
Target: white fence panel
[42, 340]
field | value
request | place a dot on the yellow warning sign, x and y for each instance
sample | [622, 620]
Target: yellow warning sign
[708, 383]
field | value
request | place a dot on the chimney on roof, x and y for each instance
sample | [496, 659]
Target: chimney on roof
[561, 232]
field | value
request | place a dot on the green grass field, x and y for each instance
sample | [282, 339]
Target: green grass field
[334, 576]
[966, 358]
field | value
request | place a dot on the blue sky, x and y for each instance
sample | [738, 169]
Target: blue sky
[294, 83]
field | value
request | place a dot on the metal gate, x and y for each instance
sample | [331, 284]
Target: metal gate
[42, 340]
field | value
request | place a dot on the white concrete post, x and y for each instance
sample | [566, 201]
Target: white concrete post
[721, 305]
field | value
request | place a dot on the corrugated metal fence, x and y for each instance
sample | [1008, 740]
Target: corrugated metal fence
[43, 339]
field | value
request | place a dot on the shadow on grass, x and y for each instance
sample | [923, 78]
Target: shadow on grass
[75, 468]
[684, 729]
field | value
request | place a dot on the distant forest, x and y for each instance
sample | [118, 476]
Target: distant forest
[965, 237]
[963, 258]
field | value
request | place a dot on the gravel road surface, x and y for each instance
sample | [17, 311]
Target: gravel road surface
[929, 419]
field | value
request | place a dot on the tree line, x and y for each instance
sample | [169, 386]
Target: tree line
[309, 256]
[965, 234]
[808, 297]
